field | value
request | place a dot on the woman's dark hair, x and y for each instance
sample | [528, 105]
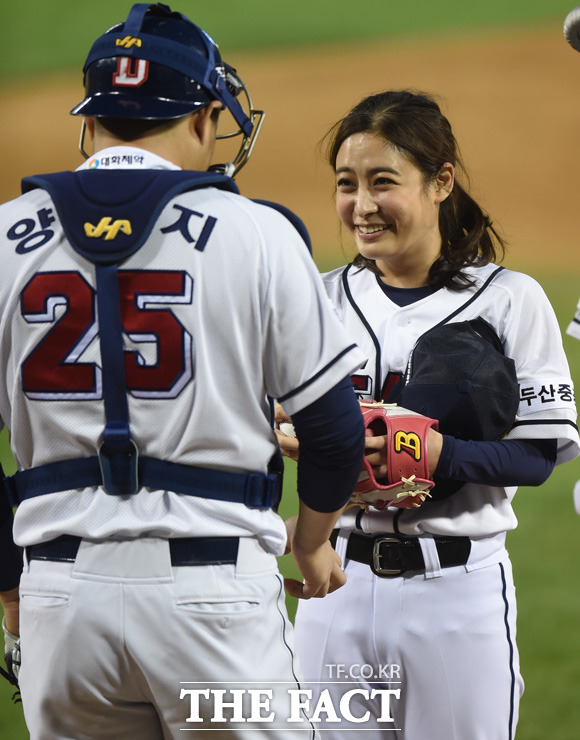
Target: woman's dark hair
[413, 123]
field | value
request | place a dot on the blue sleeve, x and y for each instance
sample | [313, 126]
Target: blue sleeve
[331, 435]
[10, 554]
[509, 462]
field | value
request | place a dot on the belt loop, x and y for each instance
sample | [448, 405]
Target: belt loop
[396, 522]
[341, 544]
[430, 556]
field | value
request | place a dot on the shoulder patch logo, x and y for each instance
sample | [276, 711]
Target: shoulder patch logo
[107, 228]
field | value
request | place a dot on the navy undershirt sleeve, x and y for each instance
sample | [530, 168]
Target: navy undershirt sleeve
[331, 435]
[509, 462]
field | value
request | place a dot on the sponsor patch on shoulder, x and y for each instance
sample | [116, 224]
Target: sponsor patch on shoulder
[545, 394]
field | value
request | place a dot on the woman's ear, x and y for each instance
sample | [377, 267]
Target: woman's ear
[444, 182]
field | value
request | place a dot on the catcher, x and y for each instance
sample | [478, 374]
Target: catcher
[147, 508]
[476, 350]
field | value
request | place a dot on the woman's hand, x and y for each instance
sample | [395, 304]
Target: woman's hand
[376, 452]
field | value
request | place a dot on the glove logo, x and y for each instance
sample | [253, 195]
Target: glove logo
[408, 442]
[107, 229]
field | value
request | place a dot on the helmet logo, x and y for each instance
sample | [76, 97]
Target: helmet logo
[128, 42]
[131, 72]
[106, 229]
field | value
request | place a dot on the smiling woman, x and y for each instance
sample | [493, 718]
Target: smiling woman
[393, 214]
[438, 575]
[395, 159]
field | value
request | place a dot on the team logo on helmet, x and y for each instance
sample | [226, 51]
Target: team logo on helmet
[128, 41]
[131, 72]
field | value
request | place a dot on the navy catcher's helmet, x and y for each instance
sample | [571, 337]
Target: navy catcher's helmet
[158, 65]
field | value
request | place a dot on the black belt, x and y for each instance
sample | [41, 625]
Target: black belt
[184, 550]
[394, 555]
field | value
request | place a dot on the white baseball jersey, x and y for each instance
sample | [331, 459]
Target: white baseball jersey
[441, 641]
[517, 307]
[218, 307]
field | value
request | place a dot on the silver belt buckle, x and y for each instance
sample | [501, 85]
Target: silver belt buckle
[377, 568]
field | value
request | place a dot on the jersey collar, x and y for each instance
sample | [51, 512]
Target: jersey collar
[126, 158]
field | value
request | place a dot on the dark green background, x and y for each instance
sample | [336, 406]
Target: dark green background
[40, 36]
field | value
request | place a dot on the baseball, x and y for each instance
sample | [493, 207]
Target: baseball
[287, 429]
[572, 28]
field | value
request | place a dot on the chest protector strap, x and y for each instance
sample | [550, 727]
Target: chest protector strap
[135, 198]
[255, 490]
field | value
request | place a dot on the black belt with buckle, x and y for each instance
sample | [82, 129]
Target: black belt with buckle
[183, 550]
[394, 555]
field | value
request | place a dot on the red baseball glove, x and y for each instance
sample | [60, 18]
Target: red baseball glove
[408, 483]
